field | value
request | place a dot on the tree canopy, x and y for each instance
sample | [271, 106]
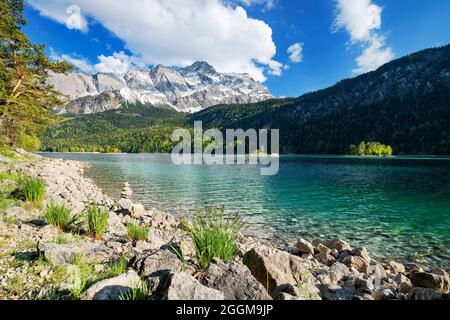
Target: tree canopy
[25, 98]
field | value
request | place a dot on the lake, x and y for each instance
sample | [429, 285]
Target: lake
[396, 207]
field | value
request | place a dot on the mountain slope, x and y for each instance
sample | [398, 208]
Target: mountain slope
[405, 103]
[189, 89]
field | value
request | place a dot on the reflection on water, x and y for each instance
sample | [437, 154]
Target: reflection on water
[396, 207]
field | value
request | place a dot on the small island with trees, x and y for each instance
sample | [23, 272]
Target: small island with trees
[376, 149]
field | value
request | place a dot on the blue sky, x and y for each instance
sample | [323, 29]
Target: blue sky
[331, 39]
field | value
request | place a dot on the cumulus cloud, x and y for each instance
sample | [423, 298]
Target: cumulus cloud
[80, 63]
[296, 52]
[267, 4]
[118, 63]
[178, 32]
[275, 68]
[361, 19]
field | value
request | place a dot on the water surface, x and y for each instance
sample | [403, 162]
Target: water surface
[398, 208]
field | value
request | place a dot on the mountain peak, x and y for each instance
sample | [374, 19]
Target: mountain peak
[200, 67]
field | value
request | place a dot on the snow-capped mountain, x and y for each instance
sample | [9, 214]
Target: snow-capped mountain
[188, 89]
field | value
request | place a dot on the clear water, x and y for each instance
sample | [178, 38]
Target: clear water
[398, 208]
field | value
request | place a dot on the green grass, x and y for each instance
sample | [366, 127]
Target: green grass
[59, 216]
[32, 189]
[136, 232]
[214, 236]
[138, 293]
[79, 275]
[62, 239]
[97, 221]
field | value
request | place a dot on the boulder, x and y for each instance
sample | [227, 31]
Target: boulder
[361, 252]
[17, 213]
[384, 294]
[305, 247]
[137, 210]
[356, 262]
[163, 221]
[396, 267]
[335, 292]
[427, 294]
[338, 271]
[273, 267]
[112, 289]
[299, 292]
[157, 262]
[324, 255]
[123, 206]
[60, 254]
[403, 283]
[234, 280]
[338, 244]
[182, 286]
[432, 281]
[361, 285]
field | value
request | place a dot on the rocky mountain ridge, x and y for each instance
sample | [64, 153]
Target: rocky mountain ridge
[190, 89]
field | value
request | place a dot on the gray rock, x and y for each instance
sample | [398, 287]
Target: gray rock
[361, 285]
[338, 271]
[112, 289]
[182, 286]
[361, 252]
[305, 247]
[357, 263]
[396, 267]
[384, 294]
[157, 262]
[137, 210]
[335, 292]
[427, 294]
[124, 205]
[60, 254]
[17, 213]
[162, 220]
[403, 283]
[431, 281]
[235, 281]
[273, 267]
[338, 244]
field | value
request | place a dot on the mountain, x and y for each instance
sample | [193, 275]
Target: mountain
[405, 103]
[188, 89]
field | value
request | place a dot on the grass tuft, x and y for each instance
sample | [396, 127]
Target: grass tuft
[97, 221]
[136, 232]
[137, 293]
[32, 189]
[59, 215]
[214, 236]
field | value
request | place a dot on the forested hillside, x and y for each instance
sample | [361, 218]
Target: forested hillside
[404, 104]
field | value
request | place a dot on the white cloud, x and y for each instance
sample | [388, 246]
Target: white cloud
[275, 68]
[118, 63]
[80, 63]
[373, 56]
[268, 4]
[179, 32]
[361, 19]
[296, 52]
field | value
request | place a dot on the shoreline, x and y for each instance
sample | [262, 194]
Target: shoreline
[336, 268]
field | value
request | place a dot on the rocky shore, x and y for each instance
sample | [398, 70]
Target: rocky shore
[37, 261]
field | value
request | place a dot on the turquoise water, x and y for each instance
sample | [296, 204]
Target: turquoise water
[398, 208]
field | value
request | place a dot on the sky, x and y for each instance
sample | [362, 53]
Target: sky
[291, 46]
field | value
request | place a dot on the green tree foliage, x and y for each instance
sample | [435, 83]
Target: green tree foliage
[24, 95]
[370, 149]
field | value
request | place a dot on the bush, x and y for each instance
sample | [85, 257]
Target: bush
[214, 236]
[29, 142]
[97, 221]
[59, 216]
[136, 232]
[32, 189]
